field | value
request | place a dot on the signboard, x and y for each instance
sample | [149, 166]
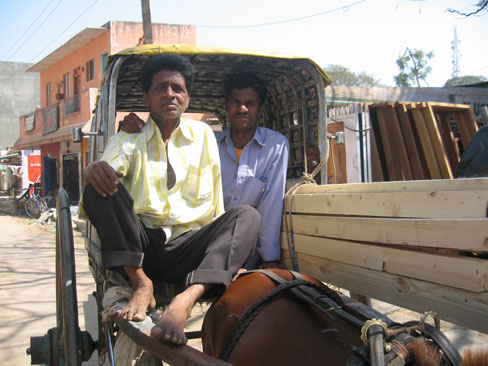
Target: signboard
[29, 123]
[71, 105]
[33, 167]
[50, 119]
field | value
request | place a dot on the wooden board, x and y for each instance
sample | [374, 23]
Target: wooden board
[336, 167]
[389, 140]
[471, 273]
[459, 234]
[436, 204]
[425, 142]
[459, 306]
[410, 144]
[377, 169]
[449, 141]
[435, 138]
[465, 184]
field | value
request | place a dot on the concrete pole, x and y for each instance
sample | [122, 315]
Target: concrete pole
[146, 21]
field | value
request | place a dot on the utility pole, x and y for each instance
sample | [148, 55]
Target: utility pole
[146, 22]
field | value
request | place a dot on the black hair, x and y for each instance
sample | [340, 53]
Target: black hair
[245, 80]
[166, 61]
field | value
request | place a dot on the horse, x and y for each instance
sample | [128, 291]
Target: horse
[279, 317]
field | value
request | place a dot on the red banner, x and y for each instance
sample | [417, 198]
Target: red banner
[34, 167]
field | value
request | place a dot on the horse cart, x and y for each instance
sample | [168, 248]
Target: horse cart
[295, 106]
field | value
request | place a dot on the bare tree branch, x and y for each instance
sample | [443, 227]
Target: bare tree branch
[482, 5]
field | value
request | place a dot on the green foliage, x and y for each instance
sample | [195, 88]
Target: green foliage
[342, 76]
[413, 68]
[464, 80]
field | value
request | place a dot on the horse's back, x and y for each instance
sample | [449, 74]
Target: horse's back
[283, 332]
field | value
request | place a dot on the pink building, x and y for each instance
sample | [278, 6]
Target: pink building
[69, 81]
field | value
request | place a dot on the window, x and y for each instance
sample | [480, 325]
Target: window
[48, 93]
[67, 88]
[104, 61]
[76, 80]
[90, 70]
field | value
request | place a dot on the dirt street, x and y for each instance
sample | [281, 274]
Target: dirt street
[27, 285]
[28, 292]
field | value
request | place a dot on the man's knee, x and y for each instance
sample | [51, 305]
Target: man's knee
[248, 218]
[251, 215]
[90, 195]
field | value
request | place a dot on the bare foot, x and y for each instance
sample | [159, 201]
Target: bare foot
[171, 326]
[142, 298]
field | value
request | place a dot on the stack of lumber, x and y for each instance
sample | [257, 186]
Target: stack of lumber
[416, 141]
[422, 245]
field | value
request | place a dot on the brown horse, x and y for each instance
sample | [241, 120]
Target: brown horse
[258, 321]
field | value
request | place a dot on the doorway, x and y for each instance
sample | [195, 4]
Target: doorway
[50, 174]
[71, 177]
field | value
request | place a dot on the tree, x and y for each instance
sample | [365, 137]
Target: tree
[482, 5]
[413, 67]
[342, 76]
[464, 80]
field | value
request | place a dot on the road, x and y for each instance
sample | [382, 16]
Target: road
[27, 286]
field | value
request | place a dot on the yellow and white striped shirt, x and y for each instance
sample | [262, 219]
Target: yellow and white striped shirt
[196, 197]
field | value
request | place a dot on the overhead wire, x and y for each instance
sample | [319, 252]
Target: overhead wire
[64, 31]
[344, 8]
[29, 27]
[52, 11]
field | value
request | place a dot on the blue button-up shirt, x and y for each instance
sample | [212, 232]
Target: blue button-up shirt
[258, 180]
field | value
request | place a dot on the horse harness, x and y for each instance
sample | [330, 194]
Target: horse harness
[384, 345]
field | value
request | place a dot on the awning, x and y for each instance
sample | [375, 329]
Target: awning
[9, 156]
[61, 134]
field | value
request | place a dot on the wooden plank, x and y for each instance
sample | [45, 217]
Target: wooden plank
[336, 167]
[410, 145]
[443, 204]
[449, 107]
[463, 129]
[449, 141]
[389, 147]
[471, 273]
[396, 135]
[471, 122]
[459, 234]
[377, 169]
[465, 184]
[181, 355]
[425, 142]
[435, 139]
[468, 122]
[454, 305]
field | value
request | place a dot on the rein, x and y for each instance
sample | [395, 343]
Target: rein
[306, 291]
[384, 346]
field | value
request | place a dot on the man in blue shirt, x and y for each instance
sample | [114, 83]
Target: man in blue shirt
[253, 161]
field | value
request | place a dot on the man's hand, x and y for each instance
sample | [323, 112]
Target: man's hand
[272, 264]
[103, 178]
[131, 123]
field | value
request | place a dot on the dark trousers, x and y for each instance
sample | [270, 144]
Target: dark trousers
[210, 255]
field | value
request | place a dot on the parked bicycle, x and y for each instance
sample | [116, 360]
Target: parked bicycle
[35, 205]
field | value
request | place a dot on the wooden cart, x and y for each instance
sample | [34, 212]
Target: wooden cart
[336, 239]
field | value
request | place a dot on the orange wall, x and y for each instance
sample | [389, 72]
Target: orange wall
[92, 50]
[127, 34]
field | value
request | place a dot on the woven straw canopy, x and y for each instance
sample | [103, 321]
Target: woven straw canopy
[295, 87]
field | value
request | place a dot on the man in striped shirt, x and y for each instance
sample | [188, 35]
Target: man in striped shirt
[254, 163]
[155, 199]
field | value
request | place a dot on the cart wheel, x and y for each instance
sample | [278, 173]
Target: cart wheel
[69, 334]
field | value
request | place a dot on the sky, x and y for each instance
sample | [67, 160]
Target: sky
[362, 35]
